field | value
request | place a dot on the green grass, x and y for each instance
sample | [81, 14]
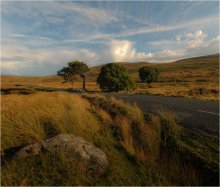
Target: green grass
[141, 149]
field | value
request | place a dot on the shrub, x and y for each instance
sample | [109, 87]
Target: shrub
[113, 77]
[148, 74]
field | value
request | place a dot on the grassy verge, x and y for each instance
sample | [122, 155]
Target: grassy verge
[141, 149]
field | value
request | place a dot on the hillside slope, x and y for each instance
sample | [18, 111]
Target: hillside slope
[182, 69]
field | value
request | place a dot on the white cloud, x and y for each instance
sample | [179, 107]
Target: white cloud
[84, 22]
[156, 28]
[195, 44]
[178, 38]
[195, 39]
[55, 20]
[93, 14]
[53, 11]
[30, 62]
[124, 51]
[100, 17]
[168, 53]
[205, 47]
[187, 40]
[143, 56]
[187, 45]
[121, 50]
[21, 59]
[13, 66]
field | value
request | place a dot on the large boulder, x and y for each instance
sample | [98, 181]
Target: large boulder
[72, 147]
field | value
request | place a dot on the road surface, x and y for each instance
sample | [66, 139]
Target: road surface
[190, 113]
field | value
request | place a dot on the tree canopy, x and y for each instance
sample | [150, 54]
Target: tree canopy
[72, 70]
[114, 77]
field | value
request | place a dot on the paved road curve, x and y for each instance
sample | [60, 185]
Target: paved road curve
[191, 113]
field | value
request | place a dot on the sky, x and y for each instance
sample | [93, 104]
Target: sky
[40, 37]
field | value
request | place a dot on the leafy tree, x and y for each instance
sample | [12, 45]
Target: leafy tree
[113, 77]
[74, 69]
[149, 74]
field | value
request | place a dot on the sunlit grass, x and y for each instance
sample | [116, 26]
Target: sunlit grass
[26, 119]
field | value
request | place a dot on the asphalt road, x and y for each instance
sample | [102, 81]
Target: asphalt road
[190, 113]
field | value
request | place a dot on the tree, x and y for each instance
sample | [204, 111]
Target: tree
[74, 69]
[113, 77]
[148, 74]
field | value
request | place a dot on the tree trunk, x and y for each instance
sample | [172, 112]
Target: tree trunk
[72, 84]
[84, 82]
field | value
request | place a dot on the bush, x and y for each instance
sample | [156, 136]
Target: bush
[113, 77]
[148, 74]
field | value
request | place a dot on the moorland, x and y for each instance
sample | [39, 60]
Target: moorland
[142, 148]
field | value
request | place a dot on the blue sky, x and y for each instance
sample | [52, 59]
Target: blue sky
[40, 37]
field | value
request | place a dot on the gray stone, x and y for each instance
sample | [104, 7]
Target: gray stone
[72, 147]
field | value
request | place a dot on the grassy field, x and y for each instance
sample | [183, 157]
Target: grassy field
[142, 149]
[196, 77]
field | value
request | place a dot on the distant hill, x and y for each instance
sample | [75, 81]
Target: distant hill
[194, 65]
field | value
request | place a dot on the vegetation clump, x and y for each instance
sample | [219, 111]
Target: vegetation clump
[114, 77]
[149, 74]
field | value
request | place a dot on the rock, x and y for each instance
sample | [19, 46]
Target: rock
[72, 147]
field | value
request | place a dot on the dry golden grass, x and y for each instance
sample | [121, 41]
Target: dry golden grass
[148, 141]
[47, 81]
[27, 119]
[206, 91]
[30, 118]
[134, 134]
[127, 139]
[124, 117]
